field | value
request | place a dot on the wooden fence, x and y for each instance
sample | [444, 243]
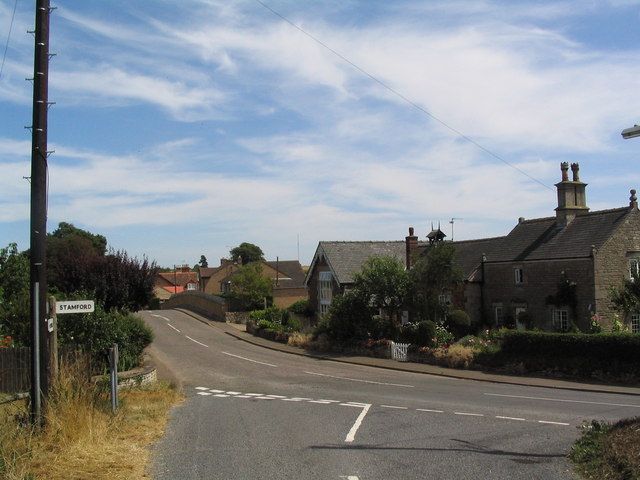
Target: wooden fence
[15, 369]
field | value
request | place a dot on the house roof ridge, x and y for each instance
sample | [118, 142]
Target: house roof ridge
[361, 241]
[608, 210]
[479, 239]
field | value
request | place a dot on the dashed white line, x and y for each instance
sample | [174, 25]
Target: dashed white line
[466, 414]
[359, 380]
[234, 393]
[552, 423]
[351, 436]
[511, 418]
[296, 399]
[168, 324]
[202, 388]
[429, 410]
[160, 316]
[221, 395]
[196, 341]
[204, 393]
[276, 396]
[563, 400]
[394, 407]
[254, 394]
[216, 391]
[248, 359]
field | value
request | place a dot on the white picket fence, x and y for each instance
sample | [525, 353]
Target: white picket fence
[399, 351]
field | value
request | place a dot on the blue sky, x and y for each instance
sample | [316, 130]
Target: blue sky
[185, 127]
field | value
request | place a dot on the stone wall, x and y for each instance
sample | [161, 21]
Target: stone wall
[540, 280]
[283, 297]
[205, 304]
[612, 263]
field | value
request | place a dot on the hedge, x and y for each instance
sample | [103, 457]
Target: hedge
[577, 353]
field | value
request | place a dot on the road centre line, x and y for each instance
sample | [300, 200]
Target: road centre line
[395, 407]
[248, 359]
[173, 327]
[360, 380]
[552, 423]
[510, 418]
[466, 414]
[563, 400]
[196, 341]
[351, 436]
[160, 316]
[428, 410]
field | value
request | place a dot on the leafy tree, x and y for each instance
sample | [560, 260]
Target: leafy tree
[433, 275]
[350, 317]
[626, 299]
[249, 288]
[203, 262]
[385, 282]
[66, 230]
[14, 294]
[246, 253]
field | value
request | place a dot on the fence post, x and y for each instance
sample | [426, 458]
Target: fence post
[113, 363]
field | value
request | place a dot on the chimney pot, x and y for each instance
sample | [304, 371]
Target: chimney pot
[575, 169]
[521, 219]
[633, 200]
[564, 166]
[411, 231]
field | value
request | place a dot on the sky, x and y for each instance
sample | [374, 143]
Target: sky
[183, 128]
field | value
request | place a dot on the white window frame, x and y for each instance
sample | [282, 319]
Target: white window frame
[192, 286]
[635, 323]
[519, 275]
[517, 311]
[634, 266]
[445, 298]
[325, 291]
[498, 314]
[561, 319]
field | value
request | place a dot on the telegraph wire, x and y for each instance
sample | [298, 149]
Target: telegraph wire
[401, 96]
[6, 46]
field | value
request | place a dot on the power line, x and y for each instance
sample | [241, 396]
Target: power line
[6, 46]
[401, 96]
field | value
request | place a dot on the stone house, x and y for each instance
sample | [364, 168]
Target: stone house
[287, 276]
[181, 279]
[558, 270]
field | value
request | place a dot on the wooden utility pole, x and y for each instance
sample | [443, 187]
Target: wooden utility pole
[38, 229]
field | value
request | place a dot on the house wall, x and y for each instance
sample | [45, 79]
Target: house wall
[612, 265]
[283, 297]
[213, 286]
[541, 279]
[473, 302]
[312, 284]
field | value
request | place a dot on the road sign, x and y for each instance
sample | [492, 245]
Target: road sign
[75, 306]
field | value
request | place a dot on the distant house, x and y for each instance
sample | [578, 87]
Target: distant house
[287, 276]
[169, 283]
[559, 270]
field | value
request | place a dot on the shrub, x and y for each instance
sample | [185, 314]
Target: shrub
[383, 327]
[442, 336]
[420, 334]
[350, 318]
[298, 339]
[458, 323]
[456, 356]
[301, 307]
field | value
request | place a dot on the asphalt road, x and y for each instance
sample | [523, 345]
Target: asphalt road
[254, 413]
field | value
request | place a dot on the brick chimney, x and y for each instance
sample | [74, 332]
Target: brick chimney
[411, 247]
[572, 200]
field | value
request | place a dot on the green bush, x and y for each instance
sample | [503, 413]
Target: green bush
[443, 336]
[275, 319]
[350, 318]
[383, 327]
[420, 334]
[301, 307]
[458, 323]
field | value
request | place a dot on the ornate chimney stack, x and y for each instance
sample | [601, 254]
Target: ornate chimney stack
[633, 200]
[572, 200]
[411, 247]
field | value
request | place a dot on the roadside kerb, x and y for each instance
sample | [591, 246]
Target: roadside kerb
[421, 368]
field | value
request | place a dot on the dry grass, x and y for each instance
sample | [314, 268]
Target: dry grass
[298, 339]
[82, 439]
[456, 356]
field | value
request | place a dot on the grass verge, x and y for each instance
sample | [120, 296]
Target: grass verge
[82, 439]
[609, 451]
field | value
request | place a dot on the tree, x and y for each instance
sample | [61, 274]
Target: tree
[249, 288]
[626, 299]
[246, 253]
[434, 274]
[350, 317]
[14, 294]
[66, 230]
[203, 262]
[385, 282]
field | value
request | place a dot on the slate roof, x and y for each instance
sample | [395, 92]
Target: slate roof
[541, 239]
[291, 269]
[347, 258]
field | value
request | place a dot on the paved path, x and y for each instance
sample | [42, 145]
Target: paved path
[258, 413]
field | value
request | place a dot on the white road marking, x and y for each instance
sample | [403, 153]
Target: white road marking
[204, 393]
[296, 399]
[221, 395]
[351, 436]
[563, 400]
[466, 414]
[354, 404]
[160, 316]
[254, 394]
[275, 396]
[202, 388]
[323, 402]
[552, 423]
[393, 406]
[196, 341]
[216, 391]
[359, 380]
[428, 410]
[265, 398]
[234, 393]
[173, 327]
[510, 418]
[349, 477]
[248, 359]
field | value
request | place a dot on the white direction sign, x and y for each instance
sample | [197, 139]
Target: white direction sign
[75, 306]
